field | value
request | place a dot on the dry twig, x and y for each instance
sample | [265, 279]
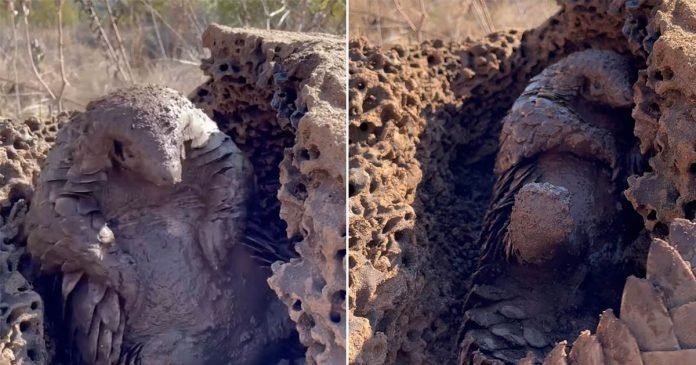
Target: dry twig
[194, 19]
[418, 29]
[124, 55]
[61, 56]
[244, 13]
[88, 8]
[15, 52]
[25, 14]
[484, 16]
[166, 24]
[272, 14]
[42, 90]
[157, 33]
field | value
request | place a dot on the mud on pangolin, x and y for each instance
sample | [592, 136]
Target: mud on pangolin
[557, 222]
[141, 207]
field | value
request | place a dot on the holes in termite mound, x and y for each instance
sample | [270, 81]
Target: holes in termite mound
[664, 75]
[297, 189]
[374, 185]
[335, 317]
[361, 84]
[20, 191]
[668, 74]
[23, 288]
[360, 131]
[692, 168]
[690, 210]
[227, 79]
[391, 224]
[14, 315]
[661, 229]
[225, 67]
[118, 150]
[337, 300]
[20, 145]
[311, 153]
[340, 254]
[652, 215]
[403, 237]
[306, 321]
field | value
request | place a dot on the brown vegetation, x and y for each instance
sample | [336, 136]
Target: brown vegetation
[53, 60]
[389, 22]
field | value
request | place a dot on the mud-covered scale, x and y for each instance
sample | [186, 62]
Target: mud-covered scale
[142, 206]
[557, 222]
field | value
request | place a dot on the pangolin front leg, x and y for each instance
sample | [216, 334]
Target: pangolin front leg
[92, 304]
[219, 164]
[69, 233]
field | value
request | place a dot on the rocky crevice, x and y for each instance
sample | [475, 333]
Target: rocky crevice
[424, 129]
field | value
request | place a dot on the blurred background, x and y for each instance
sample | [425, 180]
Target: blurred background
[389, 22]
[57, 55]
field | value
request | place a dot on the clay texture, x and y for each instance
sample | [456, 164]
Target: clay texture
[282, 96]
[664, 114]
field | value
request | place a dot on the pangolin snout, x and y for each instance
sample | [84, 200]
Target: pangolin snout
[166, 174]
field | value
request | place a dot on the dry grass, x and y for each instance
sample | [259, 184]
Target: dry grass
[89, 72]
[109, 45]
[388, 22]
[45, 75]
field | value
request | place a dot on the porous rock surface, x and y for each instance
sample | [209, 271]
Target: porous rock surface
[424, 128]
[23, 147]
[282, 96]
[655, 324]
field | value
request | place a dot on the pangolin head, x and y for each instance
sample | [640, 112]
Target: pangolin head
[609, 77]
[143, 129]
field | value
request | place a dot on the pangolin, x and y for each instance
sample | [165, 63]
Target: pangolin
[141, 206]
[560, 135]
[556, 218]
